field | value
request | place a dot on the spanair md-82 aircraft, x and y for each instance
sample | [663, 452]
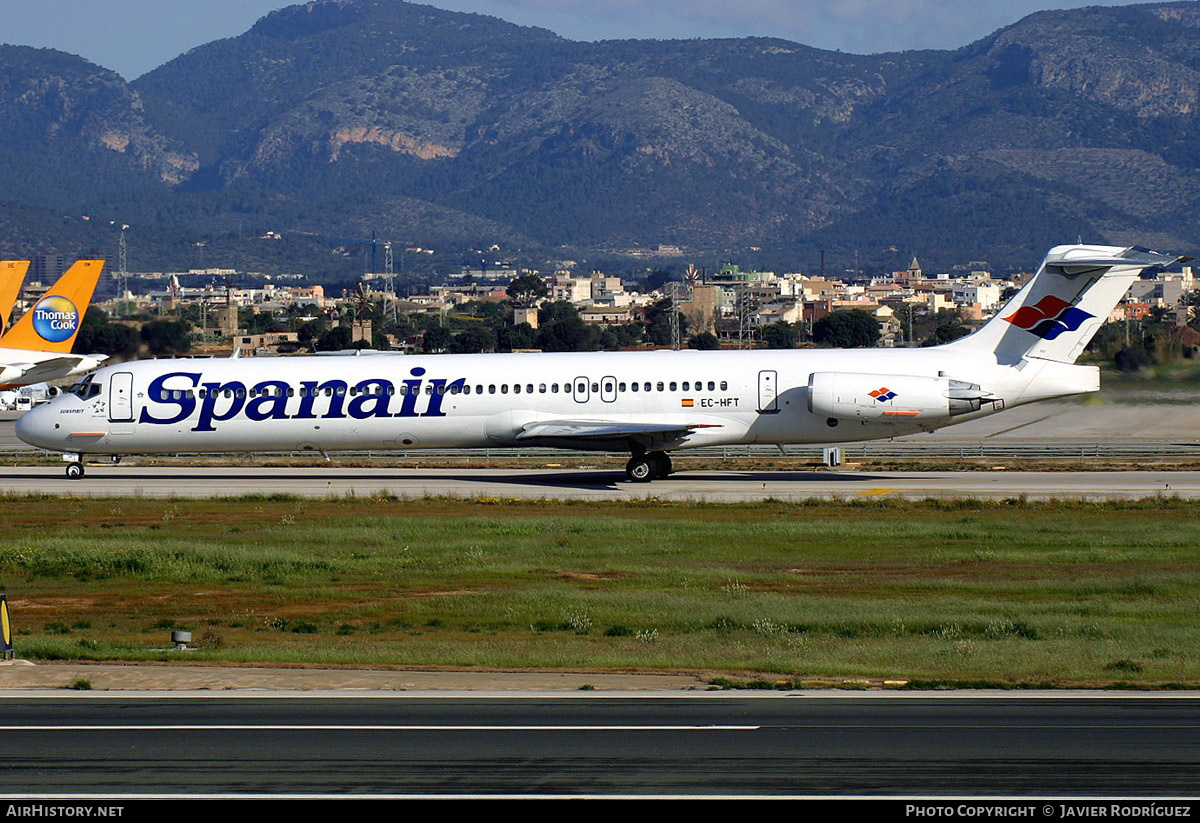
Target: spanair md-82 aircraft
[648, 403]
[38, 346]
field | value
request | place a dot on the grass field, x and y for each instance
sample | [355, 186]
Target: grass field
[1000, 593]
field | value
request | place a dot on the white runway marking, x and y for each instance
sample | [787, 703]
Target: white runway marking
[193, 727]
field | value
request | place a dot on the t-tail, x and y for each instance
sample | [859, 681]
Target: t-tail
[54, 321]
[12, 274]
[1059, 310]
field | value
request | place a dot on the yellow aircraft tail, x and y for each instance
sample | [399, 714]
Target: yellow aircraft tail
[12, 273]
[53, 322]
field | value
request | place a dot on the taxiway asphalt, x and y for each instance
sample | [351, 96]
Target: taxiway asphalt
[604, 745]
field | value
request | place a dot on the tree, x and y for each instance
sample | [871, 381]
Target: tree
[850, 329]
[659, 319]
[437, 339]
[335, 339]
[705, 341]
[520, 336]
[779, 335]
[257, 322]
[1133, 358]
[473, 340]
[167, 336]
[558, 310]
[571, 334]
[97, 335]
[526, 290]
[310, 331]
[949, 327]
[618, 337]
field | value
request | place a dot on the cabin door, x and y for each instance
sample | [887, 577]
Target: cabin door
[608, 390]
[120, 397]
[768, 392]
[581, 390]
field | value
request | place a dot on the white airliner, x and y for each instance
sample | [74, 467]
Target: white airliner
[38, 346]
[648, 403]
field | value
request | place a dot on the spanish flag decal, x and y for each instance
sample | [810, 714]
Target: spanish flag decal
[688, 402]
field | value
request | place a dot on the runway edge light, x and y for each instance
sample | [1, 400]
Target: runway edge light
[5, 628]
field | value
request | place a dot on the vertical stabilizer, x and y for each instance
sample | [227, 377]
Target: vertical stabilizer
[1059, 310]
[53, 322]
[12, 274]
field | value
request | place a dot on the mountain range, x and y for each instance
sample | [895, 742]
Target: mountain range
[333, 120]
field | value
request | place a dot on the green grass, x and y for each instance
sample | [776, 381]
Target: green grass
[948, 591]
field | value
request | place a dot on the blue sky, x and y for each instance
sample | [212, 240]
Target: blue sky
[134, 36]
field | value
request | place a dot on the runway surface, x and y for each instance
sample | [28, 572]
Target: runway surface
[603, 745]
[576, 484]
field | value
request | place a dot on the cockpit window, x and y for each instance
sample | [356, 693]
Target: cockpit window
[85, 389]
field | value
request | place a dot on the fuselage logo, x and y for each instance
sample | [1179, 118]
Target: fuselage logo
[217, 401]
[883, 394]
[1049, 318]
[55, 319]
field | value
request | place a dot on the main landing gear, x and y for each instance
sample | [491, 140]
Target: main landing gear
[642, 468]
[75, 470]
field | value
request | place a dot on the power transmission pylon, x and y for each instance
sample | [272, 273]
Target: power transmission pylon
[390, 279]
[122, 276]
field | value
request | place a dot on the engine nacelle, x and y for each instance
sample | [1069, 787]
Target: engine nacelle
[891, 397]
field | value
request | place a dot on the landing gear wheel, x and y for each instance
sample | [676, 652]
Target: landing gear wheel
[74, 471]
[662, 464]
[641, 468]
[116, 458]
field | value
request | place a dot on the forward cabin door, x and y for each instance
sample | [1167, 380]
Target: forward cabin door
[768, 392]
[120, 397]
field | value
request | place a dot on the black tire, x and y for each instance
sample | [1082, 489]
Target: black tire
[74, 471]
[662, 464]
[640, 469]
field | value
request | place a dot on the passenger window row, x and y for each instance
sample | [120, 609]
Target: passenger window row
[582, 388]
[503, 388]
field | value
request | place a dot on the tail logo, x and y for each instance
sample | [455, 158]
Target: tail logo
[883, 394]
[55, 319]
[1049, 318]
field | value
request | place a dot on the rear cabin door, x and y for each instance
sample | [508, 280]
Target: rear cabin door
[608, 390]
[768, 392]
[120, 397]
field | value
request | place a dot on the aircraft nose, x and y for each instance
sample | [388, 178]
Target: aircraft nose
[36, 427]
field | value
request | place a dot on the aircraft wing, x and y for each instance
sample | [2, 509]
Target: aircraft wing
[48, 369]
[597, 432]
